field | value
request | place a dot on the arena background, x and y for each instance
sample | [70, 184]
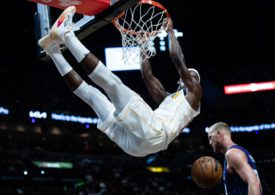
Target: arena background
[228, 42]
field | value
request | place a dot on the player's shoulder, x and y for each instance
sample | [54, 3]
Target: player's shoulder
[235, 155]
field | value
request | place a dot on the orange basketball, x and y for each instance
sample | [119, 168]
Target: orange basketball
[206, 172]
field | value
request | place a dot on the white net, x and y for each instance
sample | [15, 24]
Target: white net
[139, 27]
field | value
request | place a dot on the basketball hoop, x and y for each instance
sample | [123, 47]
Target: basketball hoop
[139, 26]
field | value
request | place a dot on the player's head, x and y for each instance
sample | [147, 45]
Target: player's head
[194, 73]
[216, 135]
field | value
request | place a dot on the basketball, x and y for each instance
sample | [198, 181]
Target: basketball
[206, 172]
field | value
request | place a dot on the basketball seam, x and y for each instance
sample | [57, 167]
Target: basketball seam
[211, 178]
[202, 170]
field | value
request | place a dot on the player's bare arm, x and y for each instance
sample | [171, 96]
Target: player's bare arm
[238, 162]
[176, 54]
[154, 86]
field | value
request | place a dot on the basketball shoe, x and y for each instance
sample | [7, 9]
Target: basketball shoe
[63, 24]
[47, 43]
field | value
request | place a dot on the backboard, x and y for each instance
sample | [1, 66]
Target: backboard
[85, 24]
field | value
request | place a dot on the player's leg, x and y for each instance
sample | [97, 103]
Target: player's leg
[112, 85]
[118, 92]
[92, 96]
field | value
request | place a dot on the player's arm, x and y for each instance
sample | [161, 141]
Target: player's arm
[153, 85]
[238, 161]
[175, 50]
[176, 54]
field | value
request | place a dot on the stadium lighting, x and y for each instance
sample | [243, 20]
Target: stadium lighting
[249, 87]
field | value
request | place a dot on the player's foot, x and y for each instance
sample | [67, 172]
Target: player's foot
[63, 24]
[47, 43]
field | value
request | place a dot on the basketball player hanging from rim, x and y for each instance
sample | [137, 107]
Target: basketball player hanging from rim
[125, 118]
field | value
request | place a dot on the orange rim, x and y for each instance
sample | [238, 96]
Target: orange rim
[150, 2]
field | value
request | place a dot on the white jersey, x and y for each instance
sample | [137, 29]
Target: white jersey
[140, 131]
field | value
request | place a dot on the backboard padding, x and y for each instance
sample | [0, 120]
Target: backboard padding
[85, 7]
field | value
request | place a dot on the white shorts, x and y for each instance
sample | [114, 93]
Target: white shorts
[135, 129]
[140, 131]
